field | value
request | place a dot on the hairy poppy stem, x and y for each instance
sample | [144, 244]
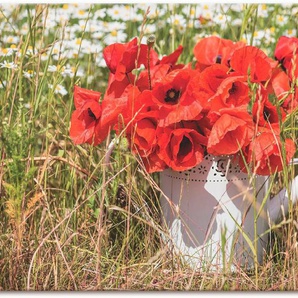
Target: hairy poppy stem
[150, 43]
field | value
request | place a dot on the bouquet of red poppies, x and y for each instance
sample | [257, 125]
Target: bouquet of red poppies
[232, 100]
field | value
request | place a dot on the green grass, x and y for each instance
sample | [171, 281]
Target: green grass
[68, 221]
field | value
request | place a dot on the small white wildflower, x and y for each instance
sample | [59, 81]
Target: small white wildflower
[116, 12]
[70, 71]
[100, 13]
[28, 74]
[222, 20]
[115, 36]
[14, 47]
[6, 52]
[282, 20]
[52, 68]
[59, 89]
[30, 51]
[177, 20]
[291, 32]
[44, 56]
[81, 13]
[11, 39]
[9, 65]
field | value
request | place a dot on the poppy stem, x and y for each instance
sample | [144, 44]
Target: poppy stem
[150, 43]
[148, 66]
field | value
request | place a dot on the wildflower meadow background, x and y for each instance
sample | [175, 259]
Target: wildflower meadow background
[69, 221]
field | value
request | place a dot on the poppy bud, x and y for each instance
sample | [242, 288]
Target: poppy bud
[151, 40]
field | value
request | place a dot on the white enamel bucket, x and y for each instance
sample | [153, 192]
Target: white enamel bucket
[217, 216]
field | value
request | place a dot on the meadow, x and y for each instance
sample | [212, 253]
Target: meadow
[69, 220]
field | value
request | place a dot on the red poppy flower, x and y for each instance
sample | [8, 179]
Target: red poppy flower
[205, 84]
[286, 94]
[159, 70]
[156, 72]
[142, 133]
[175, 101]
[232, 92]
[213, 49]
[231, 132]
[122, 58]
[285, 47]
[252, 61]
[119, 88]
[85, 121]
[84, 96]
[264, 153]
[180, 148]
[118, 112]
[153, 163]
[172, 58]
[280, 86]
[286, 52]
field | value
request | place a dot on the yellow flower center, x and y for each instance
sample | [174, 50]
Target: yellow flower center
[176, 22]
[290, 31]
[114, 33]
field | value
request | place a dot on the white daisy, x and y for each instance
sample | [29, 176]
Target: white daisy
[52, 68]
[100, 13]
[11, 39]
[9, 65]
[115, 36]
[282, 19]
[222, 20]
[290, 32]
[28, 74]
[176, 20]
[262, 11]
[116, 12]
[59, 89]
[6, 52]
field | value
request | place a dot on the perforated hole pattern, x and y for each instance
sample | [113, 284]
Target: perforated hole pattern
[221, 167]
